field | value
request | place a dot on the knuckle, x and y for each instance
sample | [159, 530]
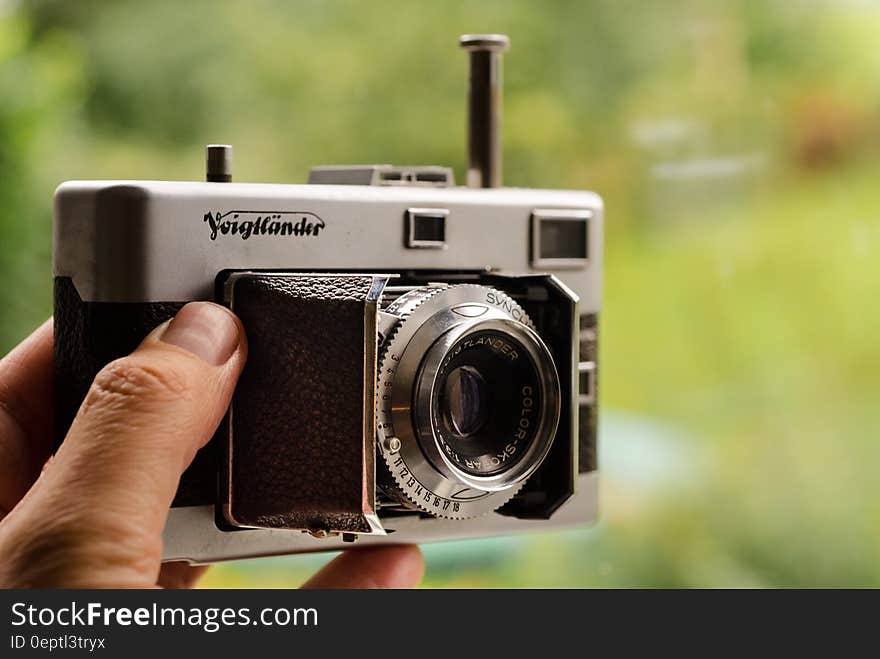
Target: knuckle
[127, 379]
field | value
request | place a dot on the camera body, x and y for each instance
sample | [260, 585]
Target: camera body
[422, 356]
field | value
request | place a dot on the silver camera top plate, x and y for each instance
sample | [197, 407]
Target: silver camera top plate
[147, 241]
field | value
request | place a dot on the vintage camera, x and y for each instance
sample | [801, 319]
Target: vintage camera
[422, 356]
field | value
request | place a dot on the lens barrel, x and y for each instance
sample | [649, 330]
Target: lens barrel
[471, 395]
[515, 403]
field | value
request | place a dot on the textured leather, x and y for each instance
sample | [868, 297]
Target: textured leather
[298, 458]
[89, 335]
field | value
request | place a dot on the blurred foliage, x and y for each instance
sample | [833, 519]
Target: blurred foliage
[735, 144]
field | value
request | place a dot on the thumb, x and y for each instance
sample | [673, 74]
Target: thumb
[95, 517]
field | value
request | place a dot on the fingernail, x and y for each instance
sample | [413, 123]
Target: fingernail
[207, 330]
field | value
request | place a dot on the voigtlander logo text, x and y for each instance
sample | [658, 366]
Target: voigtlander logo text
[244, 224]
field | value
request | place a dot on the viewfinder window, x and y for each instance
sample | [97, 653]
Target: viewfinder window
[560, 238]
[426, 228]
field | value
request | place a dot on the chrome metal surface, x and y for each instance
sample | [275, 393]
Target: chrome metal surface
[423, 176]
[411, 233]
[164, 251]
[562, 214]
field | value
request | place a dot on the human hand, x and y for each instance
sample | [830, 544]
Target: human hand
[92, 517]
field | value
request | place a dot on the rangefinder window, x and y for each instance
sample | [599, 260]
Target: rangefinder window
[426, 228]
[560, 238]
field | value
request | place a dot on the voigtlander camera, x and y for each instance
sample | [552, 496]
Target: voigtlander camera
[422, 356]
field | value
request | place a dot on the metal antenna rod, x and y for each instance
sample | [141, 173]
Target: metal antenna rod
[484, 108]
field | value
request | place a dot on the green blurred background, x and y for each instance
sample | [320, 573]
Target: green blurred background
[736, 145]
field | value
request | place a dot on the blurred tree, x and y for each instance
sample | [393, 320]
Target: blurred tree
[40, 79]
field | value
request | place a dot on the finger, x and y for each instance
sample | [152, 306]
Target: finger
[25, 414]
[399, 566]
[95, 517]
[180, 575]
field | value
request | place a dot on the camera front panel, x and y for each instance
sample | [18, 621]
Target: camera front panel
[103, 308]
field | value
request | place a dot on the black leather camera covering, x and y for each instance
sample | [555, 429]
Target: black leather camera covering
[89, 335]
[299, 455]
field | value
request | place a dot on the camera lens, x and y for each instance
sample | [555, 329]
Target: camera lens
[469, 400]
[465, 401]
[486, 403]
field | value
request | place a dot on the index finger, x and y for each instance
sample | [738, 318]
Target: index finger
[25, 414]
